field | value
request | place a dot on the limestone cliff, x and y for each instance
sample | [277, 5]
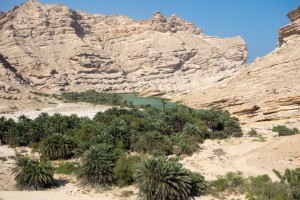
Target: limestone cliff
[266, 90]
[57, 49]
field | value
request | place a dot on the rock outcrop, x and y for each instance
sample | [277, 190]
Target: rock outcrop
[266, 90]
[58, 49]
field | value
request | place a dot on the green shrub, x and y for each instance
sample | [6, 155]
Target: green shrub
[292, 179]
[33, 174]
[252, 133]
[67, 168]
[124, 169]
[219, 120]
[295, 130]
[261, 138]
[232, 128]
[97, 166]
[183, 144]
[217, 135]
[152, 142]
[231, 182]
[220, 185]
[284, 131]
[34, 146]
[57, 146]
[87, 132]
[262, 188]
[159, 178]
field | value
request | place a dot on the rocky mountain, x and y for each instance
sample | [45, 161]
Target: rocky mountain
[51, 49]
[266, 90]
[55, 49]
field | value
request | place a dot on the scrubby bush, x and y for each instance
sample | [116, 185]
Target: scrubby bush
[252, 133]
[124, 169]
[159, 178]
[97, 166]
[261, 138]
[231, 182]
[57, 146]
[262, 188]
[33, 174]
[284, 131]
[184, 144]
[292, 179]
[218, 120]
[217, 135]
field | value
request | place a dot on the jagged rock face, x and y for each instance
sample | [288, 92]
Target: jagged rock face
[292, 28]
[266, 90]
[12, 87]
[57, 49]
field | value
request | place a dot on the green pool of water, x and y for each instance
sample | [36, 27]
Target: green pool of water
[139, 101]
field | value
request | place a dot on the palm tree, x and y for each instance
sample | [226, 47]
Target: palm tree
[36, 131]
[23, 118]
[57, 146]
[161, 179]
[120, 132]
[57, 123]
[192, 130]
[199, 185]
[97, 166]
[5, 125]
[33, 174]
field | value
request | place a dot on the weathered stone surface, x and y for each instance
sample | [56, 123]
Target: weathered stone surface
[266, 90]
[58, 49]
[294, 14]
[292, 28]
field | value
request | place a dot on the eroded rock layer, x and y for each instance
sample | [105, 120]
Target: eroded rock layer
[266, 90]
[58, 49]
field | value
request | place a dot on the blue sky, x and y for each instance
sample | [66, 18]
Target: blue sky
[255, 20]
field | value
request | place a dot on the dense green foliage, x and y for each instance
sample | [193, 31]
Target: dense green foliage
[92, 96]
[5, 125]
[111, 143]
[116, 99]
[177, 130]
[262, 188]
[231, 182]
[97, 166]
[57, 146]
[33, 174]
[124, 169]
[259, 187]
[283, 130]
[291, 178]
[160, 178]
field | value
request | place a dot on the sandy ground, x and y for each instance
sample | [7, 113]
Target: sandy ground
[246, 155]
[214, 157]
[81, 109]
